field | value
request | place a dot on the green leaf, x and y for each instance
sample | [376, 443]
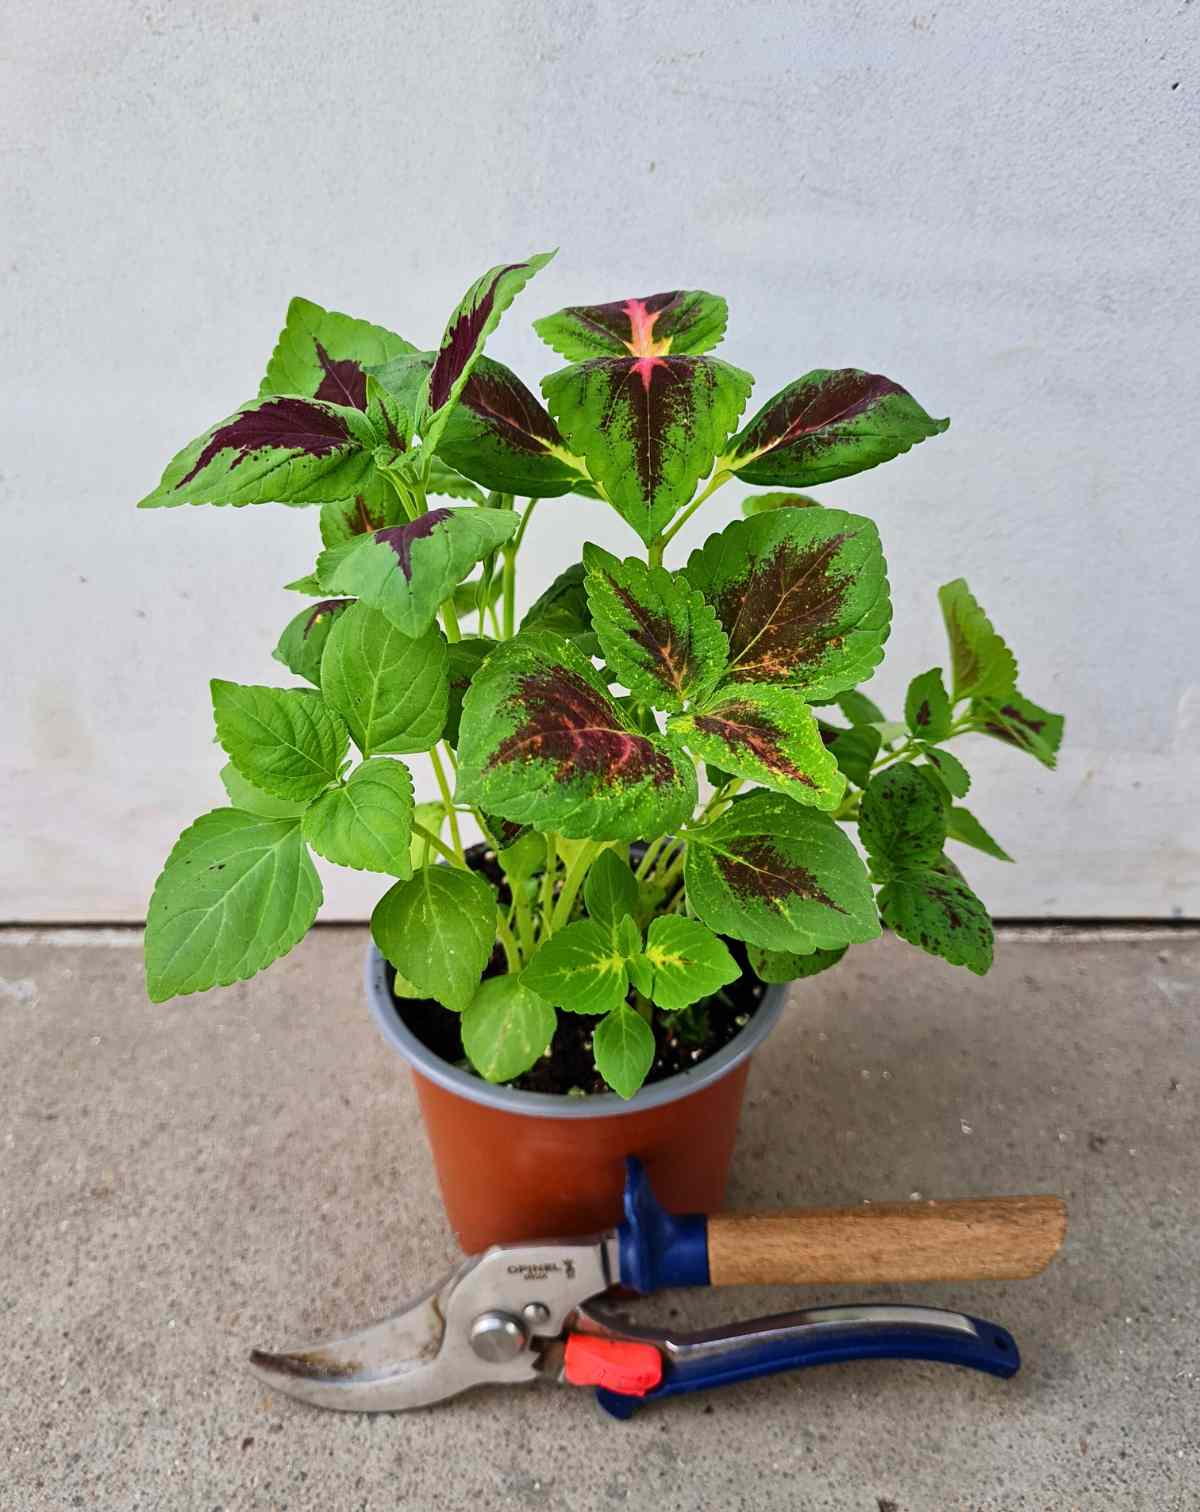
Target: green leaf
[251, 800]
[392, 690]
[927, 707]
[854, 750]
[366, 823]
[1019, 721]
[466, 657]
[506, 1029]
[628, 938]
[325, 355]
[786, 966]
[828, 424]
[523, 859]
[610, 891]
[778, 875]
[767, 734]
[580, 968]
[565, 610]
[647, 427]
[954, 776]
[448, 482]
[981, 664]
[542, 742]
[858, 708]
[689, 961]
[472, 322]
[237, 892]
[282, 740]
[802, 595]
[407, 570]
[302, 643]
[500, 435]
[756, 504]
[901, 821]
[287, 450]
[661, 640]
[963, 826]
[682, 321]
[307, 585]
[623, 1045]
[439, 931]
[934, 909]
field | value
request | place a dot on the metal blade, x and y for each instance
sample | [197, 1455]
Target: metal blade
[386, 1366]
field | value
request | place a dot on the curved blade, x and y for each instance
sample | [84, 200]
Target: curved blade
[390, 1365]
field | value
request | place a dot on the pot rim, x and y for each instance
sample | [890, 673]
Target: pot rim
[557, 1104]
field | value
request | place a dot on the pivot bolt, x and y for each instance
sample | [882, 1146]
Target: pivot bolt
[497, 1337]
[535, 1314]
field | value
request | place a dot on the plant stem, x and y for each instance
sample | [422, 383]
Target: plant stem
[654, 552]
[510, 592]
[512, 953]
[433, 841]
[652, 852]
[450, 620]
[573, 881]
[644, 1007]
[718, 480]
[515, 543]
[548, 882]
[439, 771]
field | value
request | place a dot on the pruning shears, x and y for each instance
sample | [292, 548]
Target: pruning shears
[528, 1312]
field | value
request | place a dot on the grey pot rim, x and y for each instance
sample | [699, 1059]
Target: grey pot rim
[553, 1104]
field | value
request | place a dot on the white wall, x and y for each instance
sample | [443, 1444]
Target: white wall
[998, 206]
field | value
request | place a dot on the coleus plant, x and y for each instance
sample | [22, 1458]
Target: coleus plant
[578, 740]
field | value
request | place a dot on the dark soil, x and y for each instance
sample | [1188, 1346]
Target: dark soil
[683, 1039]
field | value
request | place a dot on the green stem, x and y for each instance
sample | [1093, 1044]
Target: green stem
[510, 593]
[450, 620]
[548, 877]
[434, 842]
[644, 1007]
[652, 853]
[512, 953]
[439, 771]
[573, 882]
[654, 552]
[718, 480]
[515, 544]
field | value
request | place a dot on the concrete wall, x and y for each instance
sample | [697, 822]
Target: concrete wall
[997, 206]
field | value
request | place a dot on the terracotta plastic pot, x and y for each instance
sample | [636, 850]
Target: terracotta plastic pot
[526, 1165]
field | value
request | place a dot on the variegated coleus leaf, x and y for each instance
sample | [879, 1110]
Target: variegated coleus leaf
[781, 876]
[473, 321]
[344, 520]
[500, 435]
[286, 450]
[405, 571]
[802, 595]
[828, 424]
[302, 643]
[542, 742]
[684, 322]
[1019, 721]
[767, 734]
[325, 355]
[648, 428]
[660, 639]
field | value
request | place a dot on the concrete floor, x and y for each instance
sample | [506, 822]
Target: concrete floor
[179, 1183]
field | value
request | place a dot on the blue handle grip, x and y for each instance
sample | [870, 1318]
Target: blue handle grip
[659, 1248]
[827, 1337]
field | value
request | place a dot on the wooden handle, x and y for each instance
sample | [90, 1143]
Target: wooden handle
[989, 1239]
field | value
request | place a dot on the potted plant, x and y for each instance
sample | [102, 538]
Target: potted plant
[667, 760]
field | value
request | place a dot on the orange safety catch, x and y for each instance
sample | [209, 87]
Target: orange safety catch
[616, 1364]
